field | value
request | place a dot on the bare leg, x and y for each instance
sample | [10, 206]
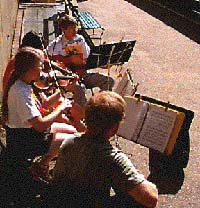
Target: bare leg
[57, 140]
[60, 132]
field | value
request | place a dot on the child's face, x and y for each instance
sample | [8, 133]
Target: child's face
[70, 32]
[35, 71]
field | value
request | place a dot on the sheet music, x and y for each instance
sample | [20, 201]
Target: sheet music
[135, 112]
[157, 128]
[125, 87]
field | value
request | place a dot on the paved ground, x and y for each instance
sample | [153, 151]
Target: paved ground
[165, 62]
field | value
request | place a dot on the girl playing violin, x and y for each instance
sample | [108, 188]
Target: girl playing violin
[28, 133]
[33, 39]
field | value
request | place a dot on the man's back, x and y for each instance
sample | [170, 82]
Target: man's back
[89, 163]
[94, 166]
[84, 162]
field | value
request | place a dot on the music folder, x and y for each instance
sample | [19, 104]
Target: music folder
[151, 125]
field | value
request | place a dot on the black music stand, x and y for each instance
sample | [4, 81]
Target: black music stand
[167, 171]
[110, 54]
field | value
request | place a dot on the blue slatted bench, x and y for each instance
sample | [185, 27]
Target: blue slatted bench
[88, 22]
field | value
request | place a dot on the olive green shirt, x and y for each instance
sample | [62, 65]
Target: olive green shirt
[95, 164]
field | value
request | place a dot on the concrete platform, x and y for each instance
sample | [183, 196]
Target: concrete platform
[165, 61]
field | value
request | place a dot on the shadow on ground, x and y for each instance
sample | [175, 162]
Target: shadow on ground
[167, 171]
[169, 183]
[172, 19]
[81, 0]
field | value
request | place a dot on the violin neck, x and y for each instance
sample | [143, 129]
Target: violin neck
[63, 71]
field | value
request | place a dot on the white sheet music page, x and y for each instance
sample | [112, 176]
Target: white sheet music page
[157, 128]
[135, 112]
[124, 87]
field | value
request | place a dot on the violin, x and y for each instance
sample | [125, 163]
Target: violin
[44, 83]
[72, 64]
[49, 65]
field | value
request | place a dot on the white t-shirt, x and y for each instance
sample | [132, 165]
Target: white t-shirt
[21, 105]
[61, 46]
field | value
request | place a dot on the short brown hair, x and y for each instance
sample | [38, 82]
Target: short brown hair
[67, 20]
[103, 110]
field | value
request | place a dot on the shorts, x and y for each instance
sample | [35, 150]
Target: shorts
[27, 143]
